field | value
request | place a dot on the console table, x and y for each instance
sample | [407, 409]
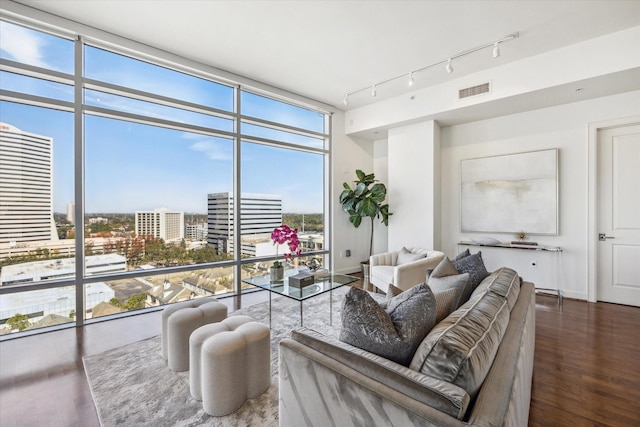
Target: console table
[528, 249]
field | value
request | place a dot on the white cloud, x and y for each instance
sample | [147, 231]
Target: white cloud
[22, 45]
[212, 150]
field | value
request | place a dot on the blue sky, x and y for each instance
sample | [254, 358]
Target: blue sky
[130, 166]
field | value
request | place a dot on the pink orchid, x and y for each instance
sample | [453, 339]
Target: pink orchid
[285, 234]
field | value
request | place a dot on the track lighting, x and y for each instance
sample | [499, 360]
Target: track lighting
[410, 82]
[449, 68]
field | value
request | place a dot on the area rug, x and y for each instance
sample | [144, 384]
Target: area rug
[132, 385]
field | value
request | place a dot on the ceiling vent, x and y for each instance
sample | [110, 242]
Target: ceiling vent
[473, 91]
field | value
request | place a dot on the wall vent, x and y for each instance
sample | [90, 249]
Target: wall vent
[473, 91]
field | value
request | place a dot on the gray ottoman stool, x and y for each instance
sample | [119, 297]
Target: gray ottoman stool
[179, 320]
[234, 365]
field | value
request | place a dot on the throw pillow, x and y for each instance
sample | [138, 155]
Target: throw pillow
[444, 268]
[394, 332]
[473, 265]
[458, 282]
[462, 254]
[393, 291]
[445, 303]
[404, 256]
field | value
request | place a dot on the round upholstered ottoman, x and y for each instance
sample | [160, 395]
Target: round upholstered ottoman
[180, 321]
[197, 339]
[235, 364]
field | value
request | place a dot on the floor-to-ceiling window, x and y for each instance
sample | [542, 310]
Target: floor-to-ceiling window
[122, 174]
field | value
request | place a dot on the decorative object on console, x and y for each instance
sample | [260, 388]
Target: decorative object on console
[486, 241]
[521, 235]
[510, 192]
[393, 329]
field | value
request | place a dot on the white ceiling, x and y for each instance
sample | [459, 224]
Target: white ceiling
[325, 49]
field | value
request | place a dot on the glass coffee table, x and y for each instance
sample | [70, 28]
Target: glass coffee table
[322, 284]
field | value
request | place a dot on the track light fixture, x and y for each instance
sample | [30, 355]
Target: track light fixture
[448, 67]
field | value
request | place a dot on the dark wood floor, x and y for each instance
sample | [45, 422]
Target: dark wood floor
[586, 369]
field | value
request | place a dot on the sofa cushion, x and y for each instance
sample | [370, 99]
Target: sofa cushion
[405, 256]
[473, 265]
[445, 303]
[393, 329]
[446, 300]
[444, 268]
[462, 254]
[461, 348]
[504, 282]
[459, 282]
[393, 291]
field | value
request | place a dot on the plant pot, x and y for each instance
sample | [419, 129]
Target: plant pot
[276, 274]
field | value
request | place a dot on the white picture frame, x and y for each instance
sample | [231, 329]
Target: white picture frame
[510, 193]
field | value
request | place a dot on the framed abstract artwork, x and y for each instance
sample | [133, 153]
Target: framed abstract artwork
[510, 193]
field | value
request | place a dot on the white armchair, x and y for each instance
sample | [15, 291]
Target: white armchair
[384, 268]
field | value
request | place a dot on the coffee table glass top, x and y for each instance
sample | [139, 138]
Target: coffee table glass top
[321, 284]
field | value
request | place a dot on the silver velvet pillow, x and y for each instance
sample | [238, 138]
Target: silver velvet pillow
[393, 331]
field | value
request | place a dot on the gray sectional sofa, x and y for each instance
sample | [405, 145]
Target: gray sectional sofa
[474, 368]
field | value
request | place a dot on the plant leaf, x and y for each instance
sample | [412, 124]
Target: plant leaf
[369, 207]
[361, 188]
[355, 220]
[378, 192]
[360, 174]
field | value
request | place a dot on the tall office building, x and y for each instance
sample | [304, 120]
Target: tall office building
[162, 223]
[26, 186]
[260, 213]
[71, 207]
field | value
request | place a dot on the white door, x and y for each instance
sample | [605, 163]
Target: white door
[618, 207]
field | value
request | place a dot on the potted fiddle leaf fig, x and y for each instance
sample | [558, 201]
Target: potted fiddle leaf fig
[365, 200]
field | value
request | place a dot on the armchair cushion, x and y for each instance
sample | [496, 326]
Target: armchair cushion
[405, 256]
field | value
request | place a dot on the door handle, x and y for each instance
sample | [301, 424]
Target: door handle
[602, 237]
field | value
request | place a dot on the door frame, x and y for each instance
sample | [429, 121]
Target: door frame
[592, 248]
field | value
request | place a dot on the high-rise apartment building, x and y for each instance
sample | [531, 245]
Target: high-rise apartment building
[260, 214]
[71, 207]
[26, 186]
[161, 223]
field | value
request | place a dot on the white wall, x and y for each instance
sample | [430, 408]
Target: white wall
[348, 154]
[413, 185]
[381, 169]
[564, 127]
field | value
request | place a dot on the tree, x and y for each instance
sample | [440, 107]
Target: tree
[365, 202]
[136, 302]
[19, 321]
[116, 303]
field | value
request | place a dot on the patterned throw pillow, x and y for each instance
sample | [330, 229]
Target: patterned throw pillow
[458, 282]
[473, 265]
[393, 332]
[393, 291]
[445, 303]
[462, 254]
